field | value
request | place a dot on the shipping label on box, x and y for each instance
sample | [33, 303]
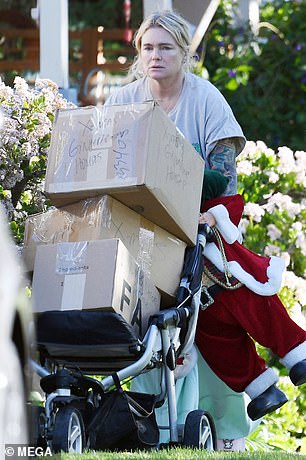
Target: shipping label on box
[134, 153]
[93, 275]
[159, 254]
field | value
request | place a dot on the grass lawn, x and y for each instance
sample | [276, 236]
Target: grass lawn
[183, 454]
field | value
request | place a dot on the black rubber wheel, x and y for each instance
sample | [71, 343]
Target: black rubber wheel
[68, 432]
[199, 431]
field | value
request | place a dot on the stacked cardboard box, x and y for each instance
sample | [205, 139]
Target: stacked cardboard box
[158, 253]
[94, 275]
[126, 188]
[133, 153]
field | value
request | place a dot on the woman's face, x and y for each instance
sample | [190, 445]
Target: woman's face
[160, 55]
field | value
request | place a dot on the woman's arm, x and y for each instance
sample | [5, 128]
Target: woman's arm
[223, 159]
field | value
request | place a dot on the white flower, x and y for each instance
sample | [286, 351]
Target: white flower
[273, 232]
[286, 257]
[297, 226]
[301, 178]
[283, 203]
[254, 211]
[300, 159]
[26, 149]
[297, 284]
[273, 177]
[272, 250]
[45, 83]
[286, 160]
[261, 146]
[1, 119]
[249, 151]
[26, 116]
[297, 315]
[300, 242]
[246, 168]
[253, 150]
[243, 225]
[21, 86]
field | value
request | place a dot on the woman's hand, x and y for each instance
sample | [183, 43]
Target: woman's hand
[207, 218]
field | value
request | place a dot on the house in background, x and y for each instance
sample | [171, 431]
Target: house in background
[49, 58]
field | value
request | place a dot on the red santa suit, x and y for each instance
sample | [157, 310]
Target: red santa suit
[226, 329]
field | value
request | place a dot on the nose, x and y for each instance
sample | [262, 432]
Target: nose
[156, 54]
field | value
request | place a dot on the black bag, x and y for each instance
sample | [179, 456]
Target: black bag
[124, 420]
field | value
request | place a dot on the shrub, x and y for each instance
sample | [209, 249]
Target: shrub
[26, 115]
[263, 76]
[274, 220]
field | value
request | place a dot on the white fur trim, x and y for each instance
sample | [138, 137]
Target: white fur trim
[261, 383]
[228, 230]
[294, 356]
[212, 253]
[240, 237]
[274, 272]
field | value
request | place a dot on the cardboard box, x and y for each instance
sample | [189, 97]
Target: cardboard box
[133, 152]
[159, 254]
[93, 275]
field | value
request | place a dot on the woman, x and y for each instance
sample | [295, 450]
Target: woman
[162, 73]
[196, 107]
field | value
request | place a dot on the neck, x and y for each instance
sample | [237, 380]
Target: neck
[166, 88]
[166, 93]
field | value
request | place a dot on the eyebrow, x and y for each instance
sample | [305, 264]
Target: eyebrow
[159, 44]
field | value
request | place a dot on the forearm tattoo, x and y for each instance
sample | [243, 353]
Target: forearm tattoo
[223, 159]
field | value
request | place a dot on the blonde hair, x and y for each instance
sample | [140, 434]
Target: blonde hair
[177, 27]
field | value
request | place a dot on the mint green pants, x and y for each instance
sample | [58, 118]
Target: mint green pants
[202, 389]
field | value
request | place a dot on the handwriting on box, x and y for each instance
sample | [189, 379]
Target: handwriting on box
[103, 145]
[174, 152]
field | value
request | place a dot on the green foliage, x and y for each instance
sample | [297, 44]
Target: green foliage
[263, 76]
[18, 5]
[284, 429]
[273, 186]
[26, 118]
